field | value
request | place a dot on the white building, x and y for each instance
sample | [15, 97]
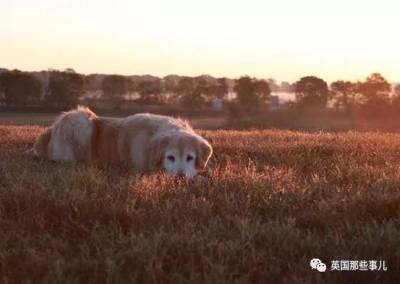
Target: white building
[217, 103]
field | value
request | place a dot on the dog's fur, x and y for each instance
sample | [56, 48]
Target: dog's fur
[68, 139]
[141, 142]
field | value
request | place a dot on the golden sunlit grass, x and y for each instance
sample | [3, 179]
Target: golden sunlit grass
[274, 200]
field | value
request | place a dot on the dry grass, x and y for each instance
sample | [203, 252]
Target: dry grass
[274, 200]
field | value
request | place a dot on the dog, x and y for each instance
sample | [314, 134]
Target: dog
[142, 142]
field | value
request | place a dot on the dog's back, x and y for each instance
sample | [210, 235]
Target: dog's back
[68, 139]
[124, 142]
[104, 150]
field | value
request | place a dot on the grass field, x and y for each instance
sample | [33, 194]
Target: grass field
[274, 200]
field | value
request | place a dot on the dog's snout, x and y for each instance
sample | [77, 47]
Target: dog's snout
[181, 174]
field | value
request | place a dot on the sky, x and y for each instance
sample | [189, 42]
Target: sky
[282, 39]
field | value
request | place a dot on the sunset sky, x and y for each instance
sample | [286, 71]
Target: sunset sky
[283, 39]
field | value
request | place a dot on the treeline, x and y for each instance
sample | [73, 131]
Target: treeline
[190, 91]
[59, 88]
[373, 96]
[66, 88]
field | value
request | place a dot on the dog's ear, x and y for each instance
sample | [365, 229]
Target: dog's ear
[156, 152]
[204, 152]
[41, 146]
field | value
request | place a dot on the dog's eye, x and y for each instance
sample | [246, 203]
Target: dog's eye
[171, 158]
[189, 158]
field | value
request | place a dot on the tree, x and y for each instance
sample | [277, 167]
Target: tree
[263, 90]
[286, 87]
[375, 85]
[189, 91]
[196, 91]
[344, 93]
[171, 83]
[150, 91]
[19, 88]
[375, 91]
[115, 86]
[250, 94]
[222, 88]
[273, 85]
[206, 86]
[69, 70]
[65, 88]
[185, 85]
[246, 91]
[311, 92]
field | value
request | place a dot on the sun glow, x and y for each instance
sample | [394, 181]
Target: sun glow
[281, 39]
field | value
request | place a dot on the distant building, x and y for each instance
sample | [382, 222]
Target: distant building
[217, 103]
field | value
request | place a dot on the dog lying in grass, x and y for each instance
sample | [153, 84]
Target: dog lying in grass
[141, 142]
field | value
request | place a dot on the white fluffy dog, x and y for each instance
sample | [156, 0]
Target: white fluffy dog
[141, 142]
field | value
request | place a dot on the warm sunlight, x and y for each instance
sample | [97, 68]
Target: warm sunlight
[211, 141]
[281, 39]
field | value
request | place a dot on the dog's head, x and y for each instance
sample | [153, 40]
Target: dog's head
[180, 153]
